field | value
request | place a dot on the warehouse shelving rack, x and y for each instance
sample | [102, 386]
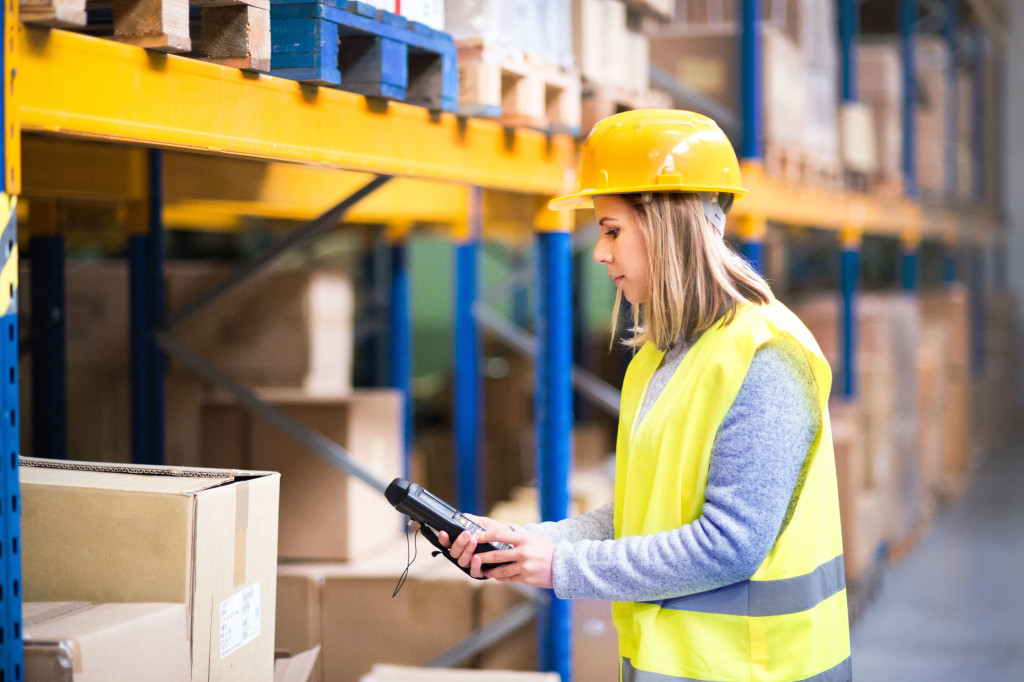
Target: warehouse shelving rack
[143, 108]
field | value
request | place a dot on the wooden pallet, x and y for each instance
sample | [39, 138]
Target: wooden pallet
[798, 167]
[526, 92]
[355, 47]
[232, 32]
[601, 100]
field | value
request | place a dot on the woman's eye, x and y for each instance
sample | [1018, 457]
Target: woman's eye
[613, 233]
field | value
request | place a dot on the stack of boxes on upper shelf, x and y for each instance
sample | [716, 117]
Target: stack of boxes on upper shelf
[799, 57]
[810, 138]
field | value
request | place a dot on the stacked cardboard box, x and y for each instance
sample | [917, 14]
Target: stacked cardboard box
[997, 398]
[701, 50]
[325, 513]
[78, 642]
[207, 539]
[516, 61]
[885, 488]
[880, 87]
[614, 56]
[933, 97]
[398, 673]
[351, 610]
[949, 308]
[287, 328]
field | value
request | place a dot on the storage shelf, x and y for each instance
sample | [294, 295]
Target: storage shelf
[87, 87]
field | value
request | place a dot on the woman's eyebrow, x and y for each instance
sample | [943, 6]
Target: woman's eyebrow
[607, 219]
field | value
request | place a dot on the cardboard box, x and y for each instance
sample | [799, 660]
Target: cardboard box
[595, 640]
[348, 609]
[286, 327]
[79, 642]
[395, 673]
[121, 533]
[325, 513]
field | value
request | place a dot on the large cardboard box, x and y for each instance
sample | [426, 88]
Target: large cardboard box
[595, 640]
[352, 611]
[81, 642]
[325, 513]
[121, 533]
[285, 327]
[397, 673]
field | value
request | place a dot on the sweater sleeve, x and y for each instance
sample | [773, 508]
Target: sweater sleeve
[594, 525]
[756, 461]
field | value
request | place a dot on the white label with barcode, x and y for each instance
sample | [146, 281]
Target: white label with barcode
[239, 619]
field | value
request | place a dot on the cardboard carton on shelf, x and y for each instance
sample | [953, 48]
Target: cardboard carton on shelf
[325, 514]
[397, 673]
[130, 533]
[83, 642]
[349, 610]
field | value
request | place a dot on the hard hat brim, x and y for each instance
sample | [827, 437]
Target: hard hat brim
[585, 199]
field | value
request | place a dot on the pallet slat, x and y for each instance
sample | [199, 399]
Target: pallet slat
[383, 55]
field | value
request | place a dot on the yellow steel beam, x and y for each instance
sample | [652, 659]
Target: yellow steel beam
[94, 88]
[825, 208]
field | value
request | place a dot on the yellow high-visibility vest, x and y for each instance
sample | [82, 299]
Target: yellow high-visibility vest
[787, 622]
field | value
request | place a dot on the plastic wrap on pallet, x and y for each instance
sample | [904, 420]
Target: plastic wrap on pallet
[880, 86]
[427, 12]
[514, 28]
[932, 62]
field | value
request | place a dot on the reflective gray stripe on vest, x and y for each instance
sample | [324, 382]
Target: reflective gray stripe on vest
[839, 673]
[766, 597]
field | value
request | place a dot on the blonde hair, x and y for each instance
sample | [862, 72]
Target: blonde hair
[694, 277]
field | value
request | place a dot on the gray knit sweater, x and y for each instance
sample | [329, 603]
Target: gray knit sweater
[755, 471]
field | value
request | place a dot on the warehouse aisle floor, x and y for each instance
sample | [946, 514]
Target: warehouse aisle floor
[953, 609]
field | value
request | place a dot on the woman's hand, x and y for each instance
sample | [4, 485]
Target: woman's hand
[531, 556]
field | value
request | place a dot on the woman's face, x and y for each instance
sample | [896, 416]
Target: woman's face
[621, 247]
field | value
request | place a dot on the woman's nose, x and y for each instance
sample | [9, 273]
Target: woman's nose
[602, 255]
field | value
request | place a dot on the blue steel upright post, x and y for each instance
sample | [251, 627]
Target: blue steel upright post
[401, 341]
[752, 229]
[49, 359]
[911, 249]
[11, 649]
[468, 387]
[849, 269]
[907, 20]
[850, 238]
[554, 418]
[146, 313]
[952, 114]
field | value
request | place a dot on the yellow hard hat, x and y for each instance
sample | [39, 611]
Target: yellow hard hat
[654, 150]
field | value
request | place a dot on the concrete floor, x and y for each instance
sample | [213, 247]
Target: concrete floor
[953, 609]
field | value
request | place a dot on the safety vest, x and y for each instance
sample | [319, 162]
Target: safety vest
[787, 622]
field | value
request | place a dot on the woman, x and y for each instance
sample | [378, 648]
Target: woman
[722, 551]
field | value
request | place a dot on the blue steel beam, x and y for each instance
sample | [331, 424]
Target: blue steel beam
[468, 384]
[907, 21]
[849, 27]
[978, 159]
[401, 343]
[554, 418]
[949, 264]
[909, 265]
[751, 80]
[976, 298]
[952, 119]
[49, 359]
[751, 105]
[849, 284]
[146, 310]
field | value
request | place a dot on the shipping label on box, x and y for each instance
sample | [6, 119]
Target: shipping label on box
[127, 533]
